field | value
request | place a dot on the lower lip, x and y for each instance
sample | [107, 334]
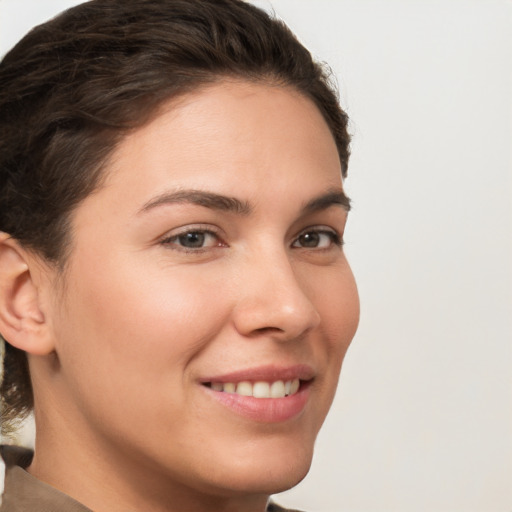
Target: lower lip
[264, 410]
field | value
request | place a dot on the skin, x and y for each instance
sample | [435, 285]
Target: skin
[137, 320]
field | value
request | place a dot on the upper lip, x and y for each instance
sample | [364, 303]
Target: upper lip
[269, 373]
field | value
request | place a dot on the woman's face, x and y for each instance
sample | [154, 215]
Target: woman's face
[209, 267]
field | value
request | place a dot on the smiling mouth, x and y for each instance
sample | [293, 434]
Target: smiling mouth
[259, 389]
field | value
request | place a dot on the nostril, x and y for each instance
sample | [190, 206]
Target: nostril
[268, 330]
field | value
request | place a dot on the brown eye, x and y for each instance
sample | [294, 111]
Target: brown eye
[309, 239]
[192, 240]
[317, 239]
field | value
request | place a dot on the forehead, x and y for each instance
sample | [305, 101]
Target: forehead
[232, 129]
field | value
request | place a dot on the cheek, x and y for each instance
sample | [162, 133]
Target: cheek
[343, 312]
[338, 303]
[138, 327]
[336, 298]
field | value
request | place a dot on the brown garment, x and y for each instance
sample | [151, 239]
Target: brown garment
[25, 493]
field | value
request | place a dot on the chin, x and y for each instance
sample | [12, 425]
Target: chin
[285, 478]
[269, 473]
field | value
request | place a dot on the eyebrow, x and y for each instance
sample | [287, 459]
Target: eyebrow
[333, 197]
[232, 204]
[200, 198]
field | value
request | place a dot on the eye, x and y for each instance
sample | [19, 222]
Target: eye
[193, 240]
[318, 238]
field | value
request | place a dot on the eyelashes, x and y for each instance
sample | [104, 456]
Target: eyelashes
[199, 239]
[318, 238]
[194, 239]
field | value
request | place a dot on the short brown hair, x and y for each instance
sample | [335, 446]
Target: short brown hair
[73, 87]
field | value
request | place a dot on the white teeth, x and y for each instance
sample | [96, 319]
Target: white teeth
[277, 389]
[244, 389]
[294, 386]
[260, 389]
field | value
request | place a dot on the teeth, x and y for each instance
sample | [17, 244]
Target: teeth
[260, 389]
[277, 389]
[244, 389]
[228, 387]
[294, 386]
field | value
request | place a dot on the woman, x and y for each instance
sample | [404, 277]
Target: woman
[174, 294]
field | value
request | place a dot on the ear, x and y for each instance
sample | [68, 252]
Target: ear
[22, 319]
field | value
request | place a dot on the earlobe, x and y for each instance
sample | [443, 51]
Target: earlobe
[22, 319]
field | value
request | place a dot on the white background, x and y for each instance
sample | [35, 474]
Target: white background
[423, 416]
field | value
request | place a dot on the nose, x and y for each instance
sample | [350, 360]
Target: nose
[273, 301]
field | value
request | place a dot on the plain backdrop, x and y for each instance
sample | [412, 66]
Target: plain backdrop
[423, 416]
